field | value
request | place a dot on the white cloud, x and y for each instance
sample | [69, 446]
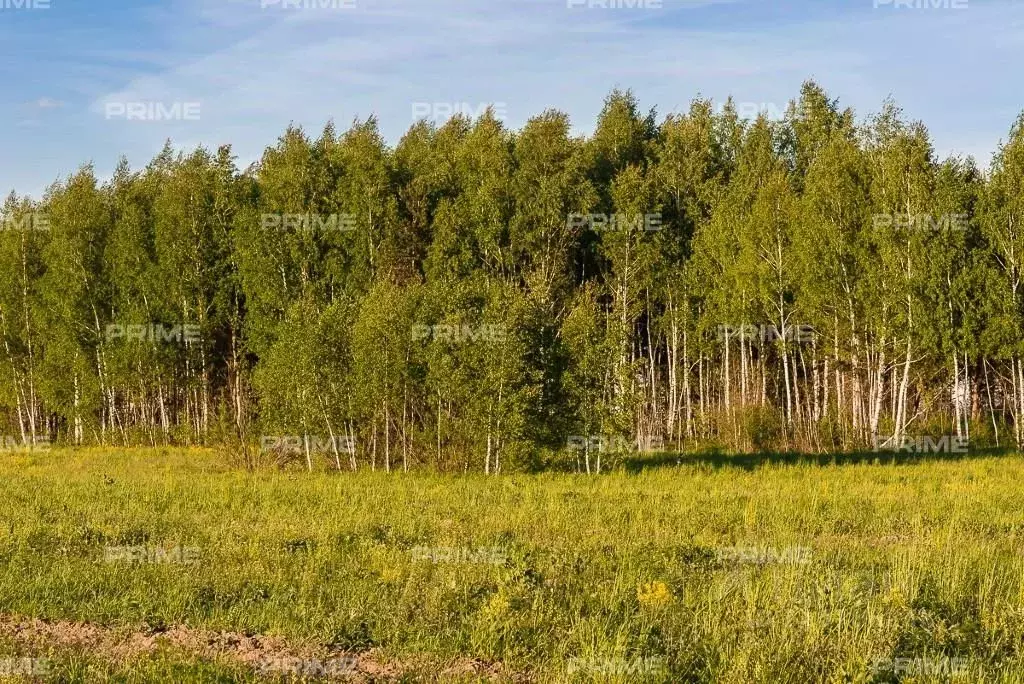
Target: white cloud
[254, 71]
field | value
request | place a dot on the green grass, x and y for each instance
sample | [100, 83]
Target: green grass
[81, 667]
[917, 560]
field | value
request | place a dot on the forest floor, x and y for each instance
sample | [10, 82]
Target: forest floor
[171, 565]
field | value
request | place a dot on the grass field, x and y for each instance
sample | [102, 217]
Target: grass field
[168, 565]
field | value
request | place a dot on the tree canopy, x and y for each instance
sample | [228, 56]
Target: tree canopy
[491, 299]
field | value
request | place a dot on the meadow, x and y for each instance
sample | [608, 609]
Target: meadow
[172, 565]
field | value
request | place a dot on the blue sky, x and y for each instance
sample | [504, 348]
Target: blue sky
[254, 69]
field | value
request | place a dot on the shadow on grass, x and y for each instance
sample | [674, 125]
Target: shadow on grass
[722, 459]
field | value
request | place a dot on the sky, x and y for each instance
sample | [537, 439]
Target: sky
[90, 81]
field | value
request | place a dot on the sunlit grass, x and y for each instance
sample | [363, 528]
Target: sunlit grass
[687, 573]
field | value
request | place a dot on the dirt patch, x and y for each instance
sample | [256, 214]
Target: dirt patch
[272, 656]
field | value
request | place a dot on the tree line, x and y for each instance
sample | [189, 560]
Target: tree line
[478, 298]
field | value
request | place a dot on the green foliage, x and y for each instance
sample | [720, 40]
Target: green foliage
[477, 298]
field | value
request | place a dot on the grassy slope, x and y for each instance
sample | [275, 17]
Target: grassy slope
[915, 560]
